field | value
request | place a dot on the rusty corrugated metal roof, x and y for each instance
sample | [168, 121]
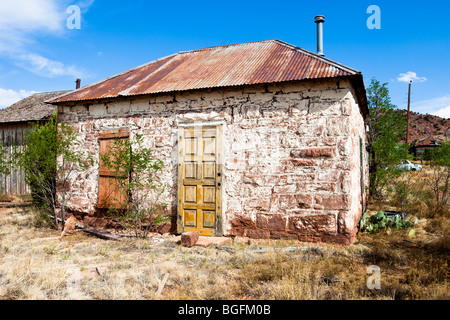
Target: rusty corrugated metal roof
[430, 141]
[250, 63]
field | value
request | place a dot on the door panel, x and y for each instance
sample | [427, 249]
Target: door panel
[208, 219]
[190, 194]
[190, 218]
[199, 180]
[209, 170]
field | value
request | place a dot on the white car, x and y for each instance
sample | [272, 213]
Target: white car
[406, 165]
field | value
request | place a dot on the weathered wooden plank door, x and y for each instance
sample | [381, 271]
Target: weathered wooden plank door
[109, 196]
[200, 180]
[11, 137]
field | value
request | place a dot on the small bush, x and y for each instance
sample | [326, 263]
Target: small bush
[380, 221]
[139, 204]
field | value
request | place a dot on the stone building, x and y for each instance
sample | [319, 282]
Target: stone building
[260, 139]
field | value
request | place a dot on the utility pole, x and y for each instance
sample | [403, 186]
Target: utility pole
[407, 121]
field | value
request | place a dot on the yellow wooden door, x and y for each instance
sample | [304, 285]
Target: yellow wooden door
[200, 180]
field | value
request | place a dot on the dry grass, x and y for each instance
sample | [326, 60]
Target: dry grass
[14, 198]
[34, 264]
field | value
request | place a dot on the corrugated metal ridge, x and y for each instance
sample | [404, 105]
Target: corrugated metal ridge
[313, 55]
[290, 46]
[228, 45]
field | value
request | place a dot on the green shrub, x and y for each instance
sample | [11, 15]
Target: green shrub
[137, 180]
[49, 161]
[380, 221]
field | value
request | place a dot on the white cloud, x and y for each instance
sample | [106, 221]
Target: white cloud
[9, 97]
[47, 68]
[437, 106]
[22, 21]
[443, 112]
[30, 15]
[410, 76]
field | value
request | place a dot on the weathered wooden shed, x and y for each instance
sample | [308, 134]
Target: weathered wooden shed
[429, 143]
[14, 122]
[260, 139]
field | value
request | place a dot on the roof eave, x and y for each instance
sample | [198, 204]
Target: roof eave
[356, 81]
[361, 93]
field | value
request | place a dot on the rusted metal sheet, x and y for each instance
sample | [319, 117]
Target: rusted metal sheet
[260, 62]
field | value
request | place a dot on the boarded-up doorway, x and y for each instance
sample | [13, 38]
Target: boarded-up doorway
[109, 195]
[200, 180]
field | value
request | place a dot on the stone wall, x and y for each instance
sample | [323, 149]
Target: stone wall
[291, 153]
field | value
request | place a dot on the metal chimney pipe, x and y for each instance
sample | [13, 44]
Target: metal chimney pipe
[320, 20]
[78, 82]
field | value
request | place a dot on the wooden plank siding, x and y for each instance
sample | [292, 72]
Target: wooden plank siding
[10, 135]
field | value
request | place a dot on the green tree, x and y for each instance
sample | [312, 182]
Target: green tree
[386, 130]
[427, 154]
[137, 176]
[49, 162]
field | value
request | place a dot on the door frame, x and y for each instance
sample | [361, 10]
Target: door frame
[218, 230]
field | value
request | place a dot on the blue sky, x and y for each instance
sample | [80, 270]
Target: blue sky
[38, 52]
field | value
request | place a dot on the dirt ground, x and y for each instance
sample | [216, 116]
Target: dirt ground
[36, 264]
